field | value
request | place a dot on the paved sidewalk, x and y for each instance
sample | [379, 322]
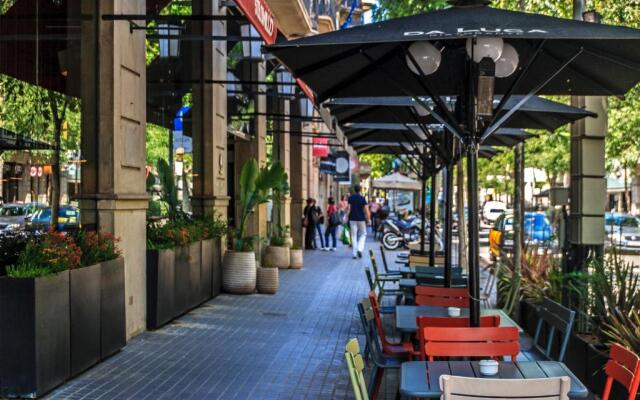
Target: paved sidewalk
[287, 346]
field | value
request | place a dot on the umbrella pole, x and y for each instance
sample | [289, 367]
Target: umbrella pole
[423, 204]
[432, 222]
[474, 253]
[448, 223]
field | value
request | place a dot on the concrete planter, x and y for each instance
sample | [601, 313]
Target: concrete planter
[239, 272]
[277, 257]
[296, 257]
[35, 338]
[219, 247]
[160, 287]
[268, 280]
[206, 270]
[113, 323]
[84, 318]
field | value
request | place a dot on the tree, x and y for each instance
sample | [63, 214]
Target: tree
[381, 164]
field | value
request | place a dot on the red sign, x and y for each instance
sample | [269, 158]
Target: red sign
[261, 17]
[320, 147]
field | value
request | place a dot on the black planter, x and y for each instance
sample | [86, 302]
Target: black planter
[207, 270]
[195, 272]
[597, 357]
[528, 318]
[576, 357]
[113, 324]
[216, 268]
[182, 281]
[84, 302]
[34, 339]
[160, 287]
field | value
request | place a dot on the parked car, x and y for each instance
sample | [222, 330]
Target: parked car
[536, 230]
[69, 219]
[623, 231]
[14, 216]
[492, 210]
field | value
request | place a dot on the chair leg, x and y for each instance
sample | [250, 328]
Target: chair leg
[377, 384]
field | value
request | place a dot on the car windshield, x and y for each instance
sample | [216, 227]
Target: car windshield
[12, 211]
[631, 222]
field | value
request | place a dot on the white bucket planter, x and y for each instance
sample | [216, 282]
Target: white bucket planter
[277, 256]
[239, 272]
[268, 280]
[297, 258]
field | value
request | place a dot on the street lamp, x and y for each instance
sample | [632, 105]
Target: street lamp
[169, 45]
[426, 55]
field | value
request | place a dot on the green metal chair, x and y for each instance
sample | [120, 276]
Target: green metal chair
[381, 292]
[382, 277]
[355, 365]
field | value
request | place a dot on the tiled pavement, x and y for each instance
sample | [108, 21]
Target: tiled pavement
[287, 346]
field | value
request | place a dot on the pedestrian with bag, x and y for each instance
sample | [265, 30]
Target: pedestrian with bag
[309, 225]
[359, 218]
[319, 223]
[333, 222]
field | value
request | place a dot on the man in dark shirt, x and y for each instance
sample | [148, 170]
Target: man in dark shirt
[358, 213]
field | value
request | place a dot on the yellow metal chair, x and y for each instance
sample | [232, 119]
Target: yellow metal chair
[355, 364]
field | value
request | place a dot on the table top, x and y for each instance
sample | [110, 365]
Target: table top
[410, 283]
[422, 379]
[406, 316]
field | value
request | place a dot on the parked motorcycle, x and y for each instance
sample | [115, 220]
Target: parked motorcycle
[400, 233]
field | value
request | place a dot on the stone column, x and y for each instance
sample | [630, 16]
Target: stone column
[298, 176]
[209, 114]
[282, 150]
[255, 148]
[113, 193]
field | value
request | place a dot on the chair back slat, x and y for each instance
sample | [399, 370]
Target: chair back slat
[463, 388]
[558, 320]
[441, 297]
[355, 365]
[488, 321]
[623, 367]
[372, 285]
[378, 319]
[430, 280]
[471, 342]
[384, 259]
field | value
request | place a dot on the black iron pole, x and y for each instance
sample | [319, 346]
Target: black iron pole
[474, 253]
[423, 205]
[448, 223]
[432, 221]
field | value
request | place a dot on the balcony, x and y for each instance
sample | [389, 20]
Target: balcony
[292, 17]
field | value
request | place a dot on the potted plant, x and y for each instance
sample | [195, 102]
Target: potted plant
[160, 275]
[98, 249]
[34, 311]
[296, 256]
[277, 253]
[268, 278]
[239, 265]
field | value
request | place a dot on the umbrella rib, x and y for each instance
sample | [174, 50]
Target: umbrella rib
[496, 125]
[610, 57]
[516, 82]
[428, 134]
[354, 77]
[321, 64]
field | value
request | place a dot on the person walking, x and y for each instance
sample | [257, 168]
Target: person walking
[309, 225]
[359, 217]
[374, 207]
[333, 221]
[319, 217]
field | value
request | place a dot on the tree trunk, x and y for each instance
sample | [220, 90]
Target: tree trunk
[462, 225]
[55, 179]
[625, 203]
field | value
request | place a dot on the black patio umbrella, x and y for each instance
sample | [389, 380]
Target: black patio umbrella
[535, 113]
[473, 52]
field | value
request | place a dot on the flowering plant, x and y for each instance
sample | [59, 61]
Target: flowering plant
[97, 247]
[52, 253]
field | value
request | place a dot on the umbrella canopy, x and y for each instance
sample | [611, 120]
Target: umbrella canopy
[592, 59]
[535, 113]
[396, 181]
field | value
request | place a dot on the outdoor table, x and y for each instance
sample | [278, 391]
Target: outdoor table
[411, 283]
[422, 379]
[406, 316]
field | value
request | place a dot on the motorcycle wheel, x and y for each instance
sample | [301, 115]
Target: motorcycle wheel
[391, 241]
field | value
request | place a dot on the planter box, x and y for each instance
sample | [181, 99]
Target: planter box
[34, 339]
[576, 358]
[182, 281]
[219, 245]
[84, 302]
[597, 357]
[206, 272]
[113, 323]
[528, 318]
[195, 271]
[160, 287]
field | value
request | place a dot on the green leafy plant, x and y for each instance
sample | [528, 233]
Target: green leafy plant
[256, 185]
[52, 253]
[97, 247]
[169, 194]
[213, 226]
[280, 236]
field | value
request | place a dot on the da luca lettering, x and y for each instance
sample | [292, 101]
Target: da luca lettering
[479, 31]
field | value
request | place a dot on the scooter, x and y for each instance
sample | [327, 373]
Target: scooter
[400, 233]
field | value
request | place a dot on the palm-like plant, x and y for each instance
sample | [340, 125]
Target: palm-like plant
[256, 187]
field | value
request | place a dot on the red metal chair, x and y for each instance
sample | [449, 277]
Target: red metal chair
[471, 342]
[623, 367]
[442, 297]
[489, 321]
[394, 349]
